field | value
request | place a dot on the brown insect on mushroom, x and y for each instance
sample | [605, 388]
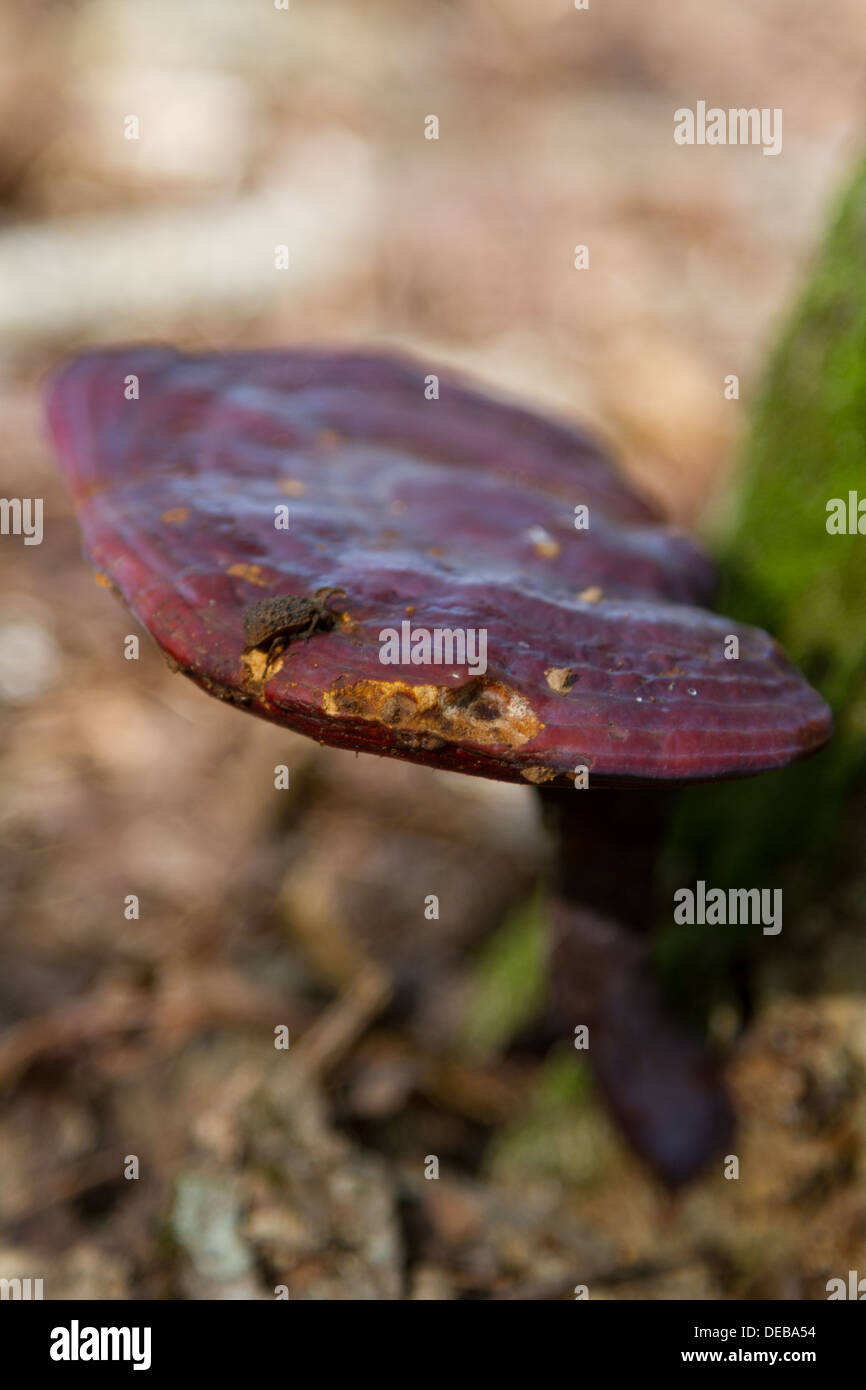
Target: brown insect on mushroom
[273, 622]
[606, 679]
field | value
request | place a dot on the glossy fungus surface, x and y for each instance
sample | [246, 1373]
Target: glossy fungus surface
[234, 477]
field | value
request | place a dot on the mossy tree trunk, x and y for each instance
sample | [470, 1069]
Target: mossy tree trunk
[783, 570]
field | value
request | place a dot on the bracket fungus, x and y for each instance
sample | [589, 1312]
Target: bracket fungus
[456, 581]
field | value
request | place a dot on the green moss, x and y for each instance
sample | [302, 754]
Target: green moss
[509, 979]
[783, 571]
[563, 1134]
[807, 445]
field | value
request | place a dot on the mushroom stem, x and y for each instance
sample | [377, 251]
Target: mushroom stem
[660, 1085]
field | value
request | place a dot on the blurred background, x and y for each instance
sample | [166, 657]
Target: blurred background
[154, 1038]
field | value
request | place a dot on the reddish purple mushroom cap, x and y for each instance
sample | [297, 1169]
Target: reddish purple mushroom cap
[452, 514]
